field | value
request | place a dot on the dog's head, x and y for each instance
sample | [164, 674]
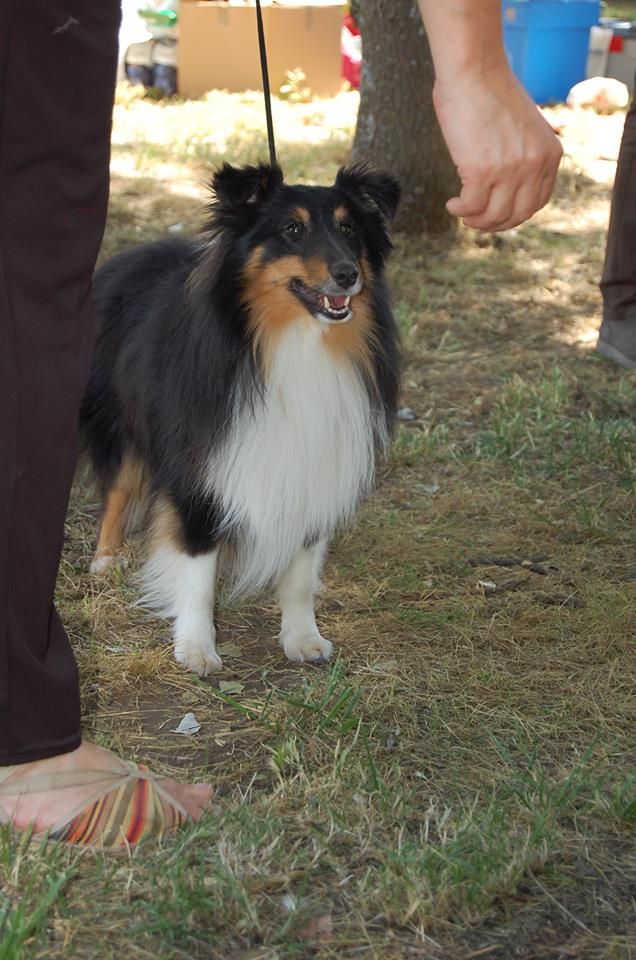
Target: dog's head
[309, 250]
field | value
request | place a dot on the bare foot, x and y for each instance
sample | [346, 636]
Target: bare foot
[43, 810]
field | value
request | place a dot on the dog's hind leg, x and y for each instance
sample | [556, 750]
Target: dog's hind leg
[125, 491]
[299, 635]
[179, 581]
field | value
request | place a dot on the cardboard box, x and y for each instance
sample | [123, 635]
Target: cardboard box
[218, 46]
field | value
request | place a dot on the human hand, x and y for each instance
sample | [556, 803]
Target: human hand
[506, 154]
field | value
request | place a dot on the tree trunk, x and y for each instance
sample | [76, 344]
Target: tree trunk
[397, 128]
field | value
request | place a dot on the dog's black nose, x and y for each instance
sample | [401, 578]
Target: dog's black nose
[345, 274]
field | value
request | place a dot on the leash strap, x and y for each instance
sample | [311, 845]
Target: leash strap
[266, 91]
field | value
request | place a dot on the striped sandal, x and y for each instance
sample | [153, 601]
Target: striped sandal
[125, 807]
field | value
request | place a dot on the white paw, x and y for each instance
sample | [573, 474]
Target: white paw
[309, 647]
[101, 563]
[198, 658]
[195, 649]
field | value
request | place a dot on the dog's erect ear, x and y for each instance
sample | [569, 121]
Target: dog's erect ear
[371, 187]
[235, 188]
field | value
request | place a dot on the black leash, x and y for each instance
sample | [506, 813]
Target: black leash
[266, 92]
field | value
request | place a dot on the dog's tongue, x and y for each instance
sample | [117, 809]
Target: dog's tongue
[336, 303]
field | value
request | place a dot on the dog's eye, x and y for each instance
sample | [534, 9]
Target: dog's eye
[345, 228]
[295, 230]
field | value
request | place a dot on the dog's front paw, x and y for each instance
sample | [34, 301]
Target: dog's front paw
[308, 648]
[199, 660]
[196, 651]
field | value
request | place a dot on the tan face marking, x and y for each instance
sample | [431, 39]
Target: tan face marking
[300, 213]
[272, 305]
[273, 308]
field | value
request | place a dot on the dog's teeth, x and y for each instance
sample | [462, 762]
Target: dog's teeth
[325, 303]
[347, 301]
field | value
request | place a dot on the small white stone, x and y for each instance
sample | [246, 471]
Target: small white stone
[406, 413]
[188, 726]
[289, 902]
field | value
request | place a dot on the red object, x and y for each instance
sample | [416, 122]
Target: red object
[351, 25]
[616, 45]
[351, 50]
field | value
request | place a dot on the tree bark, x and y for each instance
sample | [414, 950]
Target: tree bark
[397, 129]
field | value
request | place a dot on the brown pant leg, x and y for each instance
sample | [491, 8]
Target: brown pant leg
[57, 72]
[617, 337]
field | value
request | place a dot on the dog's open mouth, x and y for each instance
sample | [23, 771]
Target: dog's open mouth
[331, 308]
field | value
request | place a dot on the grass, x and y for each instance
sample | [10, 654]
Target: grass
[541, 423]
[32, 884]
[459, 782]
[624, 9]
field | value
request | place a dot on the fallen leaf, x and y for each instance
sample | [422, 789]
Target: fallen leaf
[231, 686]
[229, 650]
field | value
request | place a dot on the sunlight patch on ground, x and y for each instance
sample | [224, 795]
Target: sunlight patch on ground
[175, 178]
[590, 139]
[213, 120]
[593, 216]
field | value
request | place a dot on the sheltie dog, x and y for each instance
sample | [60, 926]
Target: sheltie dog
[243, 385]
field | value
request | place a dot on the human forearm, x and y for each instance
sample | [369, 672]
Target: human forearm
[505, 153]
[465, 36]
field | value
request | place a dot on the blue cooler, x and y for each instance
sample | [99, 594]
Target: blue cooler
[547, 43]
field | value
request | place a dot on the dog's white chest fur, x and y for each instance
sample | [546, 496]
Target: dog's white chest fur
[297, 461]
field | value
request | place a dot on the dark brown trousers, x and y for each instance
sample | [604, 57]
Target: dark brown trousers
[617, 338]
[57, 73]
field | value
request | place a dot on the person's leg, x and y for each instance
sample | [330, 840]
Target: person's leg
[617, 335]
[58, 61]
[57, 71]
